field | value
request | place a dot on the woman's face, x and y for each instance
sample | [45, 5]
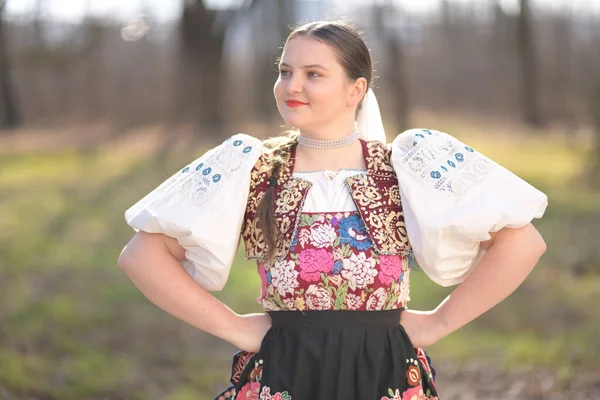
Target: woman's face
[313, 91]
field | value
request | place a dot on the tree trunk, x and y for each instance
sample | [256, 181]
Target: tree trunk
[594, 171]
[529, 68]
[202, 37]
[10, 116]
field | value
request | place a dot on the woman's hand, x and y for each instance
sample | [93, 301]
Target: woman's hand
[249, 331]
[422, 327]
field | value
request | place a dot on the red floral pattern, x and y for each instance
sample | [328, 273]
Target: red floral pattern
[332, 266]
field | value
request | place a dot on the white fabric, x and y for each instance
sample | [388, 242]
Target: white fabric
[203, 206]
[452, 197]
[368, 121]
[328, 192]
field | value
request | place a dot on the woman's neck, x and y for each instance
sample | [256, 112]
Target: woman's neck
[347, 157]
[329, 133]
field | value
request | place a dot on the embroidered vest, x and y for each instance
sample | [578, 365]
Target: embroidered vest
[375, 194]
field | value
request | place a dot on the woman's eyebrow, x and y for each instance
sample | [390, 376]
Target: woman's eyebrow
[305, 67]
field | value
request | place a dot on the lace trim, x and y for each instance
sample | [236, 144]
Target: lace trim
[329, 171]
[444, 163]
[197, 180]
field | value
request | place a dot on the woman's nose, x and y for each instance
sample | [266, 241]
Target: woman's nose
[294, 84]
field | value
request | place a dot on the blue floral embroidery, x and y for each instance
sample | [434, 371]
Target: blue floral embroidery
[427, 131]
[207, 171]
[350, 229]
[186, 169]
[268, 277]
[452, 164]
[199, 167]
[435, 175]
[420, 135]
[469, 149]
[216, 178]
[459, 157]
[237, 143]
[444, 168]
[247, 150]
[294, 243]
[337, 267]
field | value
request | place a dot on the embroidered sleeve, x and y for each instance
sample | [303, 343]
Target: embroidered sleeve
[453, 197]
[202, 206]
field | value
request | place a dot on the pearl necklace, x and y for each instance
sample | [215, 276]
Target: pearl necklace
[329, 143]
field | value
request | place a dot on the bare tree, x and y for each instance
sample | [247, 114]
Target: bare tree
[594, 171]
[384, 17]
[10, 116]
[202, 39]
[529, 68]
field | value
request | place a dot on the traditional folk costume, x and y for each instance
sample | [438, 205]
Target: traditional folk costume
[348, 241]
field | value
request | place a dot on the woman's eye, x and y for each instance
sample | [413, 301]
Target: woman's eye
[314, 74]
[284, 73]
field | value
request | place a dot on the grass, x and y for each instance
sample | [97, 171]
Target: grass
[72, 326]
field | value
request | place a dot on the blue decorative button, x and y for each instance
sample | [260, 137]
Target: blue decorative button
[186, 169]
[247, 150]
[216, 178]
[451, 163]
[207, 171]
[459, 157]
[199, 167]
[470, 150]
[435, 175]
[427, 131]
[420, 135]
[237, 143]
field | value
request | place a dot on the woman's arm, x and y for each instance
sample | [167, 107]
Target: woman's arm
[151, 261]
[511, 255]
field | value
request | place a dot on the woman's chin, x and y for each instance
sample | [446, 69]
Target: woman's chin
[294, 121]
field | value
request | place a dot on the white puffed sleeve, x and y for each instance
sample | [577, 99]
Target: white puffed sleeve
[203, 207]
[452, 197]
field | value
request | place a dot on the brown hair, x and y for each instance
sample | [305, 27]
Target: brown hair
[354, 56]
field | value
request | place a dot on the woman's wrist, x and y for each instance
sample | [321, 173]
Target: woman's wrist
[439, 325]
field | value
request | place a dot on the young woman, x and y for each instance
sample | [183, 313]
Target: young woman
[335, 218]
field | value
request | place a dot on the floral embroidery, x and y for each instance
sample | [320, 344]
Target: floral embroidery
[265, 394]
[376, 300]
[422, 357]
[353, 232]
[377, 198]
[317, 298]
[289, 199]
[314, 262]
[376, 194]
[390, 269]
[359, 271]
[443, 162]
[414, 393]
[413, 375]
[331, 266]
[249, 391]
[198, 179]
[283, 277]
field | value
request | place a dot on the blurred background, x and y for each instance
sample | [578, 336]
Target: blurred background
[102, 101]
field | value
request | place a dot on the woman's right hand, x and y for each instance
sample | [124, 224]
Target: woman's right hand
[249, 331]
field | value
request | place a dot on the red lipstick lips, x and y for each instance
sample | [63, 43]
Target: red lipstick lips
[295, 103]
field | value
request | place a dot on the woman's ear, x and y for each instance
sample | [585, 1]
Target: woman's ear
[359, 88]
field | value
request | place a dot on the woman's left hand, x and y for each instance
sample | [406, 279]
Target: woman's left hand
[422, 327]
